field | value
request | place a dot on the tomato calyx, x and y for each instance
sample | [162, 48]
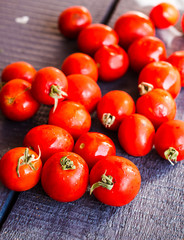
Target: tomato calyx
[106, 182]
[56, 93]
[144, 88]
[171, 155]
[108, 120]
[67, 164]
[26, 159]
[82, 145]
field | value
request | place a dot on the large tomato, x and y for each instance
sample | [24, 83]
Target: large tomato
[94, 36]
[16, 100]
[20, 169]
[115, 180]
[48, 139]
[131, 26]
[65, 176]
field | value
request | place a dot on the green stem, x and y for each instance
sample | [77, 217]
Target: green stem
[67, 164]
[171, 155]
[106, 182]
[56, 93]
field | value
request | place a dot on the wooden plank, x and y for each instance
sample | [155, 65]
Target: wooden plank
[157, 211]
[39, 43]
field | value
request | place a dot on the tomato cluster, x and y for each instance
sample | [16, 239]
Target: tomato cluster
[71, 155]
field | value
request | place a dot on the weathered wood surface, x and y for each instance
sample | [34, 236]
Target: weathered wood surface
[157, 212]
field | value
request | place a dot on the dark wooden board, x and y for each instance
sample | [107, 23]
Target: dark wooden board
[156, 213]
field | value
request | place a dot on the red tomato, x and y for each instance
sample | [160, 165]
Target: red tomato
[112, 62]
[21, 70]
[20, 169]
[182, 22]
[113, 107]
[49, 86]
[131, 26]
[146, 50]
[157, 105]
[94, 36]
[16, 101]
[84, 90]
[164, 15]
[73, 19]
[48, 139]
[71, 116]
[65, 176]
[169, 140]
[115, 181]
[177, 60]
[80, 63]
[94, 146]
[136, 135]
[159, 75]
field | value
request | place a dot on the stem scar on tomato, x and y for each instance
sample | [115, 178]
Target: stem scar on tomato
[108, 119]
[26, 159]
[67, 164]
[106, 182]
[144, 88]
[171, 155]
[56, 93]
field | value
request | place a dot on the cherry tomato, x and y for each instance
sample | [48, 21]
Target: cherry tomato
[159, 75]
[115, 181]
[20, 169]
[146, 50]
[16, 101]
[157, 105]
[71, 116]
[65, 176]
[112, 62]
[21, 70]
[73, 19]
[177, 60]
[164, 15]
[80, 63]
[49, 86]
[131, 26]
[136, 135]
[94, 36]
[84, 90]
[182, 22]
[113, 107]
[94, 146]
[169, 141]
[48, 139]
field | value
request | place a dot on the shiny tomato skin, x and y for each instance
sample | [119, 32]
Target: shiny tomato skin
[177, 60]
[112, 62]
[126, 179]
[16, 101]
[157, 105]
[84, 90]
[50, 139]
[164, 15]
[71, 116]
[80, 63]
[94, 36]
[162, 75]
[118, 104]
[65, 185]
[182, 22]
[131, 26]
[43, 80]
[170, 134]
[94, 146]
[136, 135]
[146, 50]
[72, 20]
[20, 70]
[28, 177]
